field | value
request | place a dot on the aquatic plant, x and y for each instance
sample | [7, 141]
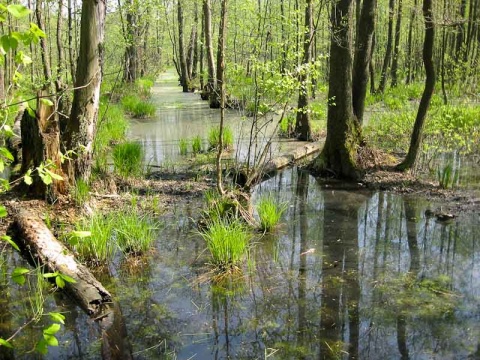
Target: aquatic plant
[128, 159]
[270, 211]
[228, 242]
[137, 107]
[135, 232]
[197, 144]
[214, 137]
[183, 146]
[447, 177]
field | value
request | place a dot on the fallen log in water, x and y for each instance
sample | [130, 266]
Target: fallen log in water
[270, 168]
[39, 244]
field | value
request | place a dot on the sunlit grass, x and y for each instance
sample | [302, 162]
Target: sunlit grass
[197, 145]
[183, 146]
[81, 192]
[270, 212]
[214, 138]
[137, 107]
[128, 159]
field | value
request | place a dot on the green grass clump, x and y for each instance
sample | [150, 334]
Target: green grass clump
[214, 137]
[183, 146]
[228, 242]
[128, 159]
[81, 192]
[447, 177]
[269, 211]
[137, 107]
[98, 237]
[197, 144]
[135, 233]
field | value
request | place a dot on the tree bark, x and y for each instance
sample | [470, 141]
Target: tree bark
[302, 124]
[363, 57]
[417, 134]
[38, 243]
[131, 54]
[184, 80]
[410, 44]
[388, 51]
[398, 28]
[339, 155]
[80, 130]
[207, 15]
[215, 100]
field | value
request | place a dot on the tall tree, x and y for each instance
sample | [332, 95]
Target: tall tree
[131, 52]
[184, 80]
[388, 50]
[428, 42]
[339, 154]
[396, 46]
[302, 125]
[363, 56]
[207, 18]
[80, 130]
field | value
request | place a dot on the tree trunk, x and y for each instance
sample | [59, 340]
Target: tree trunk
[184, 80]
[71, 57]
[388, 51]
[398, 29]
[302, 125]
[460, 30]
[131, 55]
[38, 243]
[363, 57]
[339, 154]
[410, 44]
[220, 86]
[80, 131]
[207, 15]
[47, 72]
[417, 134]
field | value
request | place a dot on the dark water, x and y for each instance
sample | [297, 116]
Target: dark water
[349, 274]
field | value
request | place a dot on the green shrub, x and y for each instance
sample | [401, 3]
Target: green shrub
[269, 211]
[228, 242]
[197, 144]
[214, 137]
[128, 159]
[183, 146]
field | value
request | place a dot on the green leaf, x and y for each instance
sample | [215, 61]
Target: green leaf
[8, 42]
[53, 175]
[6, 154]
[31, 112]
[27, 178]
[80, 234]
[50, 340]
[10, 241]
[18, 275]
[18, 11]
[47, 179]
[50, 275]
[59, 281]
[42, 347]
[51, 330]
[5, 343]
[23, 59]
[46, 101]
[7, 131]
[68, 279]
[3, 211]
[57, 317]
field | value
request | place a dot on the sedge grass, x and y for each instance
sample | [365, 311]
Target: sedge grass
[228, 242]
[128, 159]
[81, 192]
[269, 211]
[214, 137]
[183, 146]
[137, 107]
[135, 232]
[197, 145]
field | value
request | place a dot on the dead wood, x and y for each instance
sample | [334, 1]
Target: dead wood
[39, 245]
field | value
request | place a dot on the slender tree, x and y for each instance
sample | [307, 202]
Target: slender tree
[396, 46]
[184, 80]
[428, 42]
[388, 51]
[207, 18]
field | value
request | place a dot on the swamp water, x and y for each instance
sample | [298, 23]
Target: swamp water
[350, 273]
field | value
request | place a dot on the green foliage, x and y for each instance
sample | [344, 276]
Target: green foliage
[97, 238]
[128, 159]
[137, 107]
[269, 211]
[183, 146]
[214, 138]
[447, 176]
[81, 192]
[286, 128]
[228, 242]
[197, 145]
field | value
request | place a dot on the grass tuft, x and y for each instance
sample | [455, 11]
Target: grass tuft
[183, 146]
[81, 192]
[137, 107]
[197, 145]
[128, 159]
[214, 137]
[270, 211]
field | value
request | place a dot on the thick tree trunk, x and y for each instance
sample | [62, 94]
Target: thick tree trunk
[207, 16]
[417, 134]
[363, 57]
[302, 124]
[339, 155]
[37, 242]
[388, 51]
[80, 130]
[184, 80]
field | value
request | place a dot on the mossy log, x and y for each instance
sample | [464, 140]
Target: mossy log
[39, 245]
[270, 168]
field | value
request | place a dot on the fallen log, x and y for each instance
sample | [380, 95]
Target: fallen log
[40, 246]
[271, 167]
